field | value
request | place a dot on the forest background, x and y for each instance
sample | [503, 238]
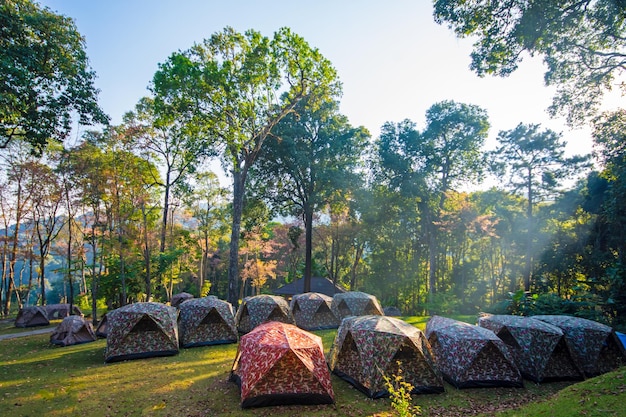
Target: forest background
[135, 212]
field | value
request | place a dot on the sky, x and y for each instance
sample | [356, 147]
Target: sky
[394, 61]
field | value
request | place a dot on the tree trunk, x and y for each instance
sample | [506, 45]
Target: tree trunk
[529, 242]
[308, 246]
[146, 253]
[233, 264]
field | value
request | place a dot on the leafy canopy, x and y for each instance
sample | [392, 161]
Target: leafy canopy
[583, 44]
[45, 79]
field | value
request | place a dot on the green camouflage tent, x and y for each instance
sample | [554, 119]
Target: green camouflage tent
[539, 349]
[355, 303]
[471, 356]
[206, 321]
[595, 346]
[278, 364]
[367, 348]
[73, 330]
[261, 308]
[312, 311]
[141, 330]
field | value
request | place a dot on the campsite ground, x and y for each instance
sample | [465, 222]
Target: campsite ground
[37, 378]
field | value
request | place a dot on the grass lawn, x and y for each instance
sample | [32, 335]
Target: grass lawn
[38, 379]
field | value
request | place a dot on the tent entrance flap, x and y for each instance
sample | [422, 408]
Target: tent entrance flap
[145, 324]
[213, 317]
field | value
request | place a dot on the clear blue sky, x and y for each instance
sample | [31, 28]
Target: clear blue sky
[393, 59]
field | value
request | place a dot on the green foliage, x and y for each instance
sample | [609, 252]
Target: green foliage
[400, 394]
[585, 305]
[444, 303]
[582, 44]
[45, 76]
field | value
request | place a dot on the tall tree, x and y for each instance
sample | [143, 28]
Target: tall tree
[428, 165]
[17, 163]
[207, 205]
[536, 165]
[583, 44]
[235, 88]
[45, 79]
[48, 197]
[312, 155]
[162, 140]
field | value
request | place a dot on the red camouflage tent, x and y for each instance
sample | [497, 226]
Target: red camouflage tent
[278, 364]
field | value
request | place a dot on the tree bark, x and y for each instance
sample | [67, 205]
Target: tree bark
[233, 264]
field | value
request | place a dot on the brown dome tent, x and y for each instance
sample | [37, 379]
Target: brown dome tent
[471, 356]
[368, 347]
[261, 308]
[178, 299]
[73, 330]
[539, 349]
[355, 303]
[595, 346]
[279, 364]
[32, 316]
[141, 330]
[312, 311]
[206, 321]
[61, 310]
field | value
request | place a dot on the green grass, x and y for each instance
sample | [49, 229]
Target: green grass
[37, 378]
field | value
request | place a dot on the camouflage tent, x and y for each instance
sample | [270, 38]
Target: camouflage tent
[206, 321]
[539, 349]
[595, 346]
[59, 311]
[471, 356]
[355, 303]
[392, 311]
[141, 330]
[278, 363]
[73, 330]
[368, 347]
[261, 308]
[32, 316]
[101, 330]
[312, 311]
[178, 299]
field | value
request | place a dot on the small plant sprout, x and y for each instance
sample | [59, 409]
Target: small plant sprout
[400, 394]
